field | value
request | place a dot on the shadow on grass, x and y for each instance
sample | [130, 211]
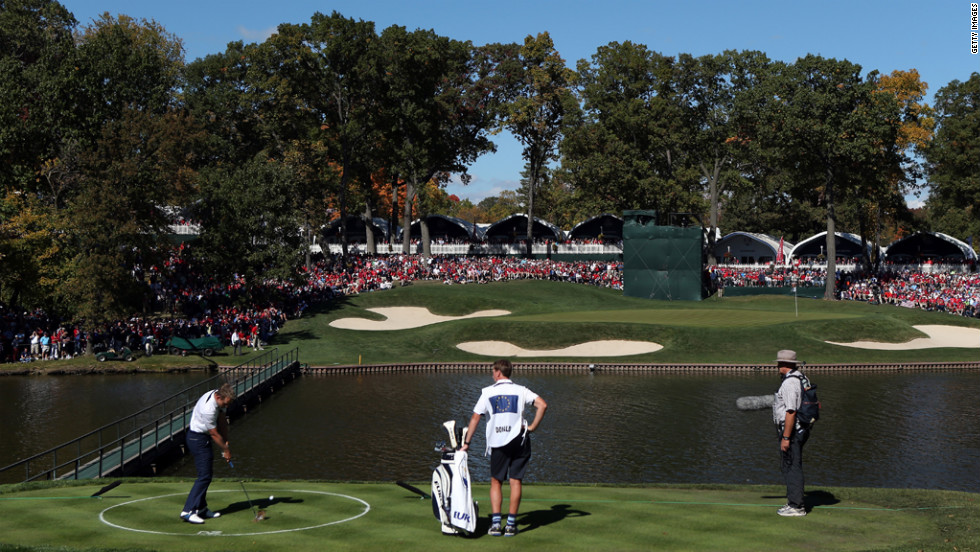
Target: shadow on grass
[819, 498]
[558, 512]
[529, 521]
[305, 335]
[326, 306]
[261, 504]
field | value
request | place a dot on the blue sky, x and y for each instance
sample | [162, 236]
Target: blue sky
[933, 37]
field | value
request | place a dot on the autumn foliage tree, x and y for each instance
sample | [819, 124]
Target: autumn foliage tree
[822, 117]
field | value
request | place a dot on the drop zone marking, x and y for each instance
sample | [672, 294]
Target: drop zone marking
[102, 518]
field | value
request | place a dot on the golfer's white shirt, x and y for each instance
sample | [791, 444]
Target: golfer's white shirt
[503, 404]
[204, 418]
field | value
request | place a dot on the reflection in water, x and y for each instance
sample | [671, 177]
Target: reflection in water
[41, 412]
[876, 430]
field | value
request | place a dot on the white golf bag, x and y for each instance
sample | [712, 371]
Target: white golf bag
[452, 497]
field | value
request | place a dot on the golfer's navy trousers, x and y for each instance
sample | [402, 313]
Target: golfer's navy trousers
[199, 445]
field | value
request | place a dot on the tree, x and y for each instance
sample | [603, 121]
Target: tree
[898, 102]
[30, 253]
[229, 95]
[257, 131]
[327, 70]
[39, 153]
[709, 90]
[500, 207]
[557, 200]
[627, 151]
[252, 216]
[126, 65]
[951, 160]
[136, 159]
[537, 113]
[767, 200]
[37, 67]
[439, 111]
[820, 115]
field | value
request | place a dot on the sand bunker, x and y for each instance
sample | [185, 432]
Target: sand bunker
[939, 336]
[590, 349]
[404, 318]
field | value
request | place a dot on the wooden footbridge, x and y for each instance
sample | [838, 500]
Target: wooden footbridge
[137, 443]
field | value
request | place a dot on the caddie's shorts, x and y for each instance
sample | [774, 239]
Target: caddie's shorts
[510, 461]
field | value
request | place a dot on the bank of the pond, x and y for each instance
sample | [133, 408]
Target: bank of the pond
[181, 364]
[141, 514]
[587, 368]
[88, 365]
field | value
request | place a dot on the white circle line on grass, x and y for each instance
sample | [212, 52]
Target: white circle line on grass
[206, 533]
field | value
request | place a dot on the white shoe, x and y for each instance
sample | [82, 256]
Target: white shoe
[191, 517]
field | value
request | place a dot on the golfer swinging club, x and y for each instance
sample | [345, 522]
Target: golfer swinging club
[208, 423]
[508, 440]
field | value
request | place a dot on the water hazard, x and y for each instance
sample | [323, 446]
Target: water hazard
[877, 430]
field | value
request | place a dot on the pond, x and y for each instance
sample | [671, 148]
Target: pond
[916, 430]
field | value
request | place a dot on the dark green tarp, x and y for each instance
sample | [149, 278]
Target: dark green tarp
[661, 262]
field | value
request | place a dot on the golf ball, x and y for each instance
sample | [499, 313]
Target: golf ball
[271, 497]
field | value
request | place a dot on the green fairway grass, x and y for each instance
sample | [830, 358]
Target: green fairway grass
[314, 516]
[552, 315]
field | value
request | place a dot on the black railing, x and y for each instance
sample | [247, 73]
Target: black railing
[110, 448]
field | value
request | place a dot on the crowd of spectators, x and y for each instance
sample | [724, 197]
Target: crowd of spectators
[955, 293]
[944, 291]
[733, 276]
[188, 304]
[361, 274]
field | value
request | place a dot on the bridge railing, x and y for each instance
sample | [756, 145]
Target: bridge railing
[108, 448]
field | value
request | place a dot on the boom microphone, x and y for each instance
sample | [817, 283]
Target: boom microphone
[754, 403]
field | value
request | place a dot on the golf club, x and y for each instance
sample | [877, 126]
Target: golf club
[106, 489]
[259, 514]
[422, 494]
[462, 441]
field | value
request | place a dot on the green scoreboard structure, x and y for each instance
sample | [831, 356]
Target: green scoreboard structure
[661, 262]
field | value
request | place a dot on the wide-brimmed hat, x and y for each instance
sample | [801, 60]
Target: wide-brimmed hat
[787, 356]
